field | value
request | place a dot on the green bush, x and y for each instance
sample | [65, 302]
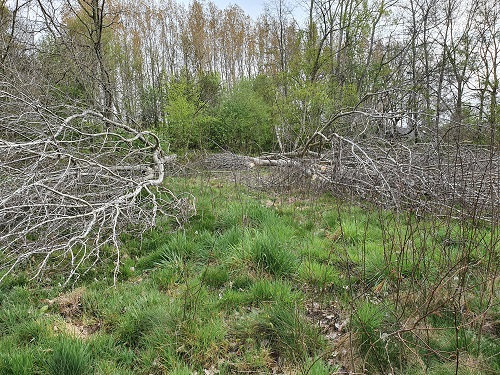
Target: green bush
[244, 121]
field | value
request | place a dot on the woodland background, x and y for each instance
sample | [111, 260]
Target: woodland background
[204, 77]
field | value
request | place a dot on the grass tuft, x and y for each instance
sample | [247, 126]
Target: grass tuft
[271, 253]
[287, 333]
[69, 356]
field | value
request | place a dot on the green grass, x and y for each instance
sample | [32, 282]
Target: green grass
[376, 345]
[282, 330]
[69, 356]
[215, 277]
[307, 285]
[271, 252]
[31, 332]
[14, 361]
[320, 276]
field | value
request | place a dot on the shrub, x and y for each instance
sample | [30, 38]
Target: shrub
[244, 121]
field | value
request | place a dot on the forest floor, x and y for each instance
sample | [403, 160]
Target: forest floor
[268, 278]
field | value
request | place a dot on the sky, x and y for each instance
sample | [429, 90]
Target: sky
[256, 7]
[252, 8]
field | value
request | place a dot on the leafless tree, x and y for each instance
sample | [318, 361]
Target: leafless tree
[71, 181]
[78, 29]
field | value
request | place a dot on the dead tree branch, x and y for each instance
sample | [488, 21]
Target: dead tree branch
[70, 182]
[461, 180]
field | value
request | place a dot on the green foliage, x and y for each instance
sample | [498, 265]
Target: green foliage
[268, 291]
[264, 86]
[151, 102]
[182, 128]
[14, 311]
[110, 368]
[375, 345]
[210, 88]
[301, 111]
[16, 362]
[317, 366]
[243, 121]
[110, 356]
[65, 87]
[31, 332]
[287, 332]
[166, 277]
[188, 110]
[321, 276]
[247, 292]
[215, 277]
[138, 322]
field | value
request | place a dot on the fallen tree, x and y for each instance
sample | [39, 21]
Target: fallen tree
[458, 180]
[71, 181]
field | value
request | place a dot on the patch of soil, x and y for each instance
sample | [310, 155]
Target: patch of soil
[70, 308]
[70, 304]
[333, 325]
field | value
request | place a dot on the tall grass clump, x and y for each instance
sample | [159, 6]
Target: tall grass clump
[31, 332]
[273, 253]
[215, 277]
[371, 326]
[110, 356]
[137, 323]
[16, 362]
[318, 275]
[69, 356]
[140, 316]
[287, 332]
[11, 316]
[278, 290]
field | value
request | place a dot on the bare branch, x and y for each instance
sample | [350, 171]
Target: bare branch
[70, 182]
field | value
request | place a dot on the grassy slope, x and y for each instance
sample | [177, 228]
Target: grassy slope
[257, 283]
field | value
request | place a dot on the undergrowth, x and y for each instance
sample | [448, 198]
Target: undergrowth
[270, 283]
